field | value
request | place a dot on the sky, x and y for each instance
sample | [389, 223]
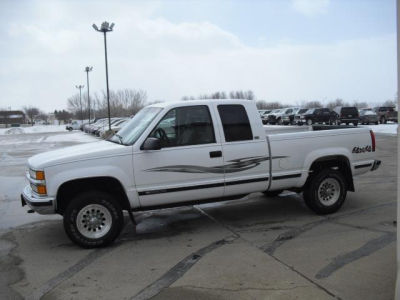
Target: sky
[283, 50]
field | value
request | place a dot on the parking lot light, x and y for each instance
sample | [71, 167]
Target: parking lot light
[106, 27]
[87, 70]
[80, 87]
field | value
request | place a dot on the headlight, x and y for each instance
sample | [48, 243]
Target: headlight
[37, 175]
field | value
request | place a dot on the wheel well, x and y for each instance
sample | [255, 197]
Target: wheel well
[337, 162]
[107, 184]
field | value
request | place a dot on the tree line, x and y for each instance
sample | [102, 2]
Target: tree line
[127, 102]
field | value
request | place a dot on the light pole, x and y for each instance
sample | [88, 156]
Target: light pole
[80, 87]
[87, 70]
[106, 27]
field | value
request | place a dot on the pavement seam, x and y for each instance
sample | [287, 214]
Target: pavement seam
[271, 255]
[179, 270]
[68, 273]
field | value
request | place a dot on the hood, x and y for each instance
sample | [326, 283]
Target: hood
[76, 153]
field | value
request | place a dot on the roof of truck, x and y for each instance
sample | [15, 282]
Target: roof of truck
[202, 101]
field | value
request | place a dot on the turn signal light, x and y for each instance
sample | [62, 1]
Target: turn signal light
[40, 175]
[41, 190]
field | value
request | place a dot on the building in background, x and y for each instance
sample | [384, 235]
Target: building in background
[11, 117]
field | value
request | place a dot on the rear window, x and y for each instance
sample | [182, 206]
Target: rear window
[349, 110]
[235, 122]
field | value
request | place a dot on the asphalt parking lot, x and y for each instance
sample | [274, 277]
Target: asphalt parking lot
[252, 248]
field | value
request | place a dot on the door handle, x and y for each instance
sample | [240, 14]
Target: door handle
[214, 154]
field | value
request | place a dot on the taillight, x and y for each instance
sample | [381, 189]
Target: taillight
[372, 140]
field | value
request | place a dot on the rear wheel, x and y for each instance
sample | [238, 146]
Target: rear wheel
[93, 219]
[326, 192]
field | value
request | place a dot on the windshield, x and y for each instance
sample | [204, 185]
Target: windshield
[302, 111]
[129, 134]
[310, 111]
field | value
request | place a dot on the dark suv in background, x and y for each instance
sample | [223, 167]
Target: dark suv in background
[386, 114]
[318, 115]
[347, 115]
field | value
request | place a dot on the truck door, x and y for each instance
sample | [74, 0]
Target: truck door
[188, 166]
[245, 151]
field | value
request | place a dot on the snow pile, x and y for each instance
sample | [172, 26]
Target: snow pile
[390, 129]
[33, 129]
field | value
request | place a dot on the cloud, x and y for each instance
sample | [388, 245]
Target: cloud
[311, 7]
[44, 59]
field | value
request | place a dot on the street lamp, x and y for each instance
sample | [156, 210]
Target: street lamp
[106, 27]
[80, 87]
[87, 70]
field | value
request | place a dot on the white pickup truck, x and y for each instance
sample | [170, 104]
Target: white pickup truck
[192, 152]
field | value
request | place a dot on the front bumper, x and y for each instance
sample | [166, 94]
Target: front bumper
[41, 205]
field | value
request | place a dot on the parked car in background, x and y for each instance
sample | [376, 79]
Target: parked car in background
[318, 115]
[347, 115]
[115, 127]
[264, 116]
[297, 116]
[288, 115]
[386, 114]
[272, 116]
[74, 125]
[368, 117]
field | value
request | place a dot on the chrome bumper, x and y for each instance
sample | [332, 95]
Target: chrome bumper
[41, 205]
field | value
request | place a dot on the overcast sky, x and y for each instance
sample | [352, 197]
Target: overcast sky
[289, 51]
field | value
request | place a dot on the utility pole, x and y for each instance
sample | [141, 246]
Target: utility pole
[87, 70]
[80, 87]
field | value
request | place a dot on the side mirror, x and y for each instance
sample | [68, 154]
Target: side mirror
[151, 144]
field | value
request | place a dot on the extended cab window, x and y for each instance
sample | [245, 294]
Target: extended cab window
[235, 123]
[184, 126]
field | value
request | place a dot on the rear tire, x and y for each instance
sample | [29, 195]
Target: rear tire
[326, 192]
[93, 219]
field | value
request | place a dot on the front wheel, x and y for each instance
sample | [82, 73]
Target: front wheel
[309, 122]
[326, 192]
[93, 219]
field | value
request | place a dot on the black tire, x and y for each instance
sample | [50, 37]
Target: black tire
[376, 123]
[355, 123]
[334, 181]
[272, 193]
[96, 199]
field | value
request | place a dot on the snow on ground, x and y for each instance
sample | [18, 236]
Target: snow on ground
[33, 129]
[74, 137]
[390, 129]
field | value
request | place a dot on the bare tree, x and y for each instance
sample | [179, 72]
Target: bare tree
[360, 104]
[389, 103]
[337, 102]
[312, 104]
[31, 112]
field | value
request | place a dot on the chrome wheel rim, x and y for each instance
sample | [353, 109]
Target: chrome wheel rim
[329, 191]
[94, 221]
[309, 122]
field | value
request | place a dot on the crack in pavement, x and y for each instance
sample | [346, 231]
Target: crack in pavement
[343, 259]
[293, 233]
[243, 289]
[68, 273]
[179, 270]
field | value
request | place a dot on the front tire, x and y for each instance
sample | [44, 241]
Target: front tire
[326, 192]
[93, 219]
[309, 122]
